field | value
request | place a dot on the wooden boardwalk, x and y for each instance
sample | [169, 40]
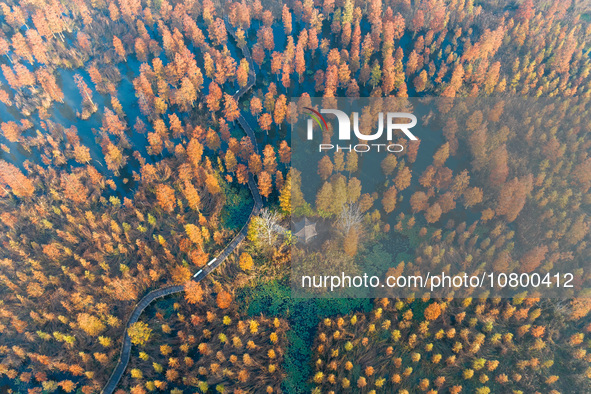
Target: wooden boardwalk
[154, 295]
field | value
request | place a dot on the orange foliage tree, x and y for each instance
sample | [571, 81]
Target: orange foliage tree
[223, 299]
[11, 178]
[166, 197]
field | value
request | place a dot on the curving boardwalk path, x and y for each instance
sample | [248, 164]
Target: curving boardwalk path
[213, 264]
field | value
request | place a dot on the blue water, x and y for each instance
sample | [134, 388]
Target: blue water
[64, 114]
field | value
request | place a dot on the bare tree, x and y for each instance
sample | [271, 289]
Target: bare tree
[269, 226]
[349, 217]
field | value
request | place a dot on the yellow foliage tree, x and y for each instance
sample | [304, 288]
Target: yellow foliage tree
[139, 333]
[194, 234]
[285, 196]
[90, 324]
[246, 262]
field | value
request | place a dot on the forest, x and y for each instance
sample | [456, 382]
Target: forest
[125, 168]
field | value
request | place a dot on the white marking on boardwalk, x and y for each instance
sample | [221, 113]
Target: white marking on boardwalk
[197, 274]
[212, 261]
